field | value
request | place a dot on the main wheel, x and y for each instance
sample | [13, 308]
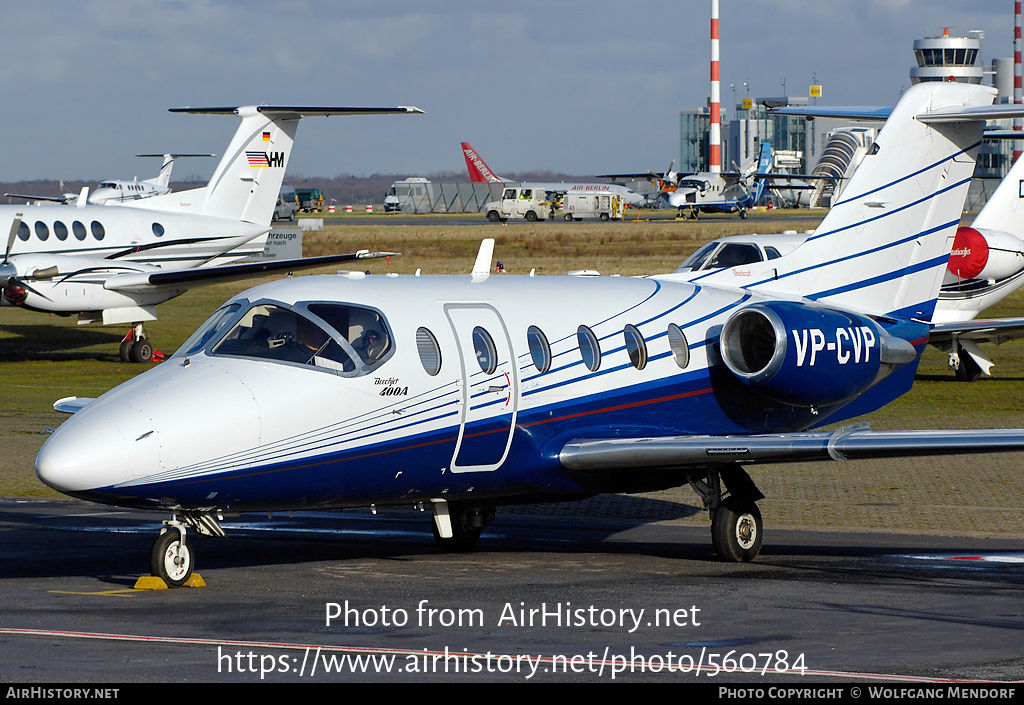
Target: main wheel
[125, 350]
[969, 370]
[141, 351]
[743, 213]
[736, 530]
[463, 538]
[172, 560]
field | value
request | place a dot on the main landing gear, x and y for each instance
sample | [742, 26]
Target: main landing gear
[136, 348]
[736, 526]
[458, 525]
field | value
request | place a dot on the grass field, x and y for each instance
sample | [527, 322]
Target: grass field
[44, 358]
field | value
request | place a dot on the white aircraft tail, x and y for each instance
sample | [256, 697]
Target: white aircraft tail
[882, 249]
[1004, 210]
[248, 179]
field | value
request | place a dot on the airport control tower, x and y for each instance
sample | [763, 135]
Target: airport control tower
[946, 58]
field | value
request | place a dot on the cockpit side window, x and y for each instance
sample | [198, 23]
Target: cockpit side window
[213, 328]
[362, 328]
[734, 255]
[272, 332]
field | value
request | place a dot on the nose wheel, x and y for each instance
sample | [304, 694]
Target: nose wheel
[172, 559]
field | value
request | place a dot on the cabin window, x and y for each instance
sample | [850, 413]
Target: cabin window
[158, 229]
[42, 232]
[97, 230]
[24, 233]
[540, 351]
[78, 229]
[486, 352]
[429, 351]
[771, 253]
[636, 348]
[678, 345]
[271, 332]
[590, 350]
[60, 231]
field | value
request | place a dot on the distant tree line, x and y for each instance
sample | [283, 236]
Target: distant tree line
[342, 190]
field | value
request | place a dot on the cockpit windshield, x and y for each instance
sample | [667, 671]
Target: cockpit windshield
[696, 260]
[348, 340]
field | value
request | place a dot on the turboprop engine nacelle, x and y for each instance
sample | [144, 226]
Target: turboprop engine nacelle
[979, 253]
[808, 355]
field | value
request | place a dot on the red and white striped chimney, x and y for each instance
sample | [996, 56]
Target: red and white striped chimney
[716, 121]
[1018, 93]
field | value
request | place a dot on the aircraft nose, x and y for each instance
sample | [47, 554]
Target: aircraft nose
[80, 457]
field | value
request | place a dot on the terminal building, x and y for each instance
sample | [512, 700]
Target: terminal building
[835, 147]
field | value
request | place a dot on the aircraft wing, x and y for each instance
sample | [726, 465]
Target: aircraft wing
[995, 330]
[847, 443]
[57, 199]
[142, 281]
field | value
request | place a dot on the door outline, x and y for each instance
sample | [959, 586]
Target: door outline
[506, 373]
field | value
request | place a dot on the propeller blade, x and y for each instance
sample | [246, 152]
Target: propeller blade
[10, 238]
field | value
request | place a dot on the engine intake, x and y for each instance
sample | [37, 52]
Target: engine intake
[808, 355]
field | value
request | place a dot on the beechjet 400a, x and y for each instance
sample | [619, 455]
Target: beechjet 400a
[467, 393]
[115, 263]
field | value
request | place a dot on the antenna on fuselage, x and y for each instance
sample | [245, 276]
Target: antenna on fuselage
[482, 267]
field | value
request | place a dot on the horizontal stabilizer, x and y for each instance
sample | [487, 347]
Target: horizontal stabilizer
[293, 112]
[850, 442]
[995, 330]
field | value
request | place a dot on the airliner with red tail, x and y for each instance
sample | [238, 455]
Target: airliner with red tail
[479, 172]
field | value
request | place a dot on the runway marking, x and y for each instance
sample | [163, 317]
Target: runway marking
[978, 557]
[122, 592]
[420, 653]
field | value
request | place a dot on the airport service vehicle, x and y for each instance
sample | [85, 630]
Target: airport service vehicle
[414, 195]
[529, 203]
[115, 263]
[286, 207]
[309, 200]
[577, 206]
[465, 393]
[479, 172]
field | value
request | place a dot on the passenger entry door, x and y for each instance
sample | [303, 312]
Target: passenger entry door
[489, 385]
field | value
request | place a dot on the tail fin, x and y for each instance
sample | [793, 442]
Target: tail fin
[163, 177]
[882, 249]
[1004, 210]
[764, 166]
[246, 182]
[479, 172]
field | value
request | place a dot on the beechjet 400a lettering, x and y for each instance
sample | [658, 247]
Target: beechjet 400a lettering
[467, 393]
[115, 263]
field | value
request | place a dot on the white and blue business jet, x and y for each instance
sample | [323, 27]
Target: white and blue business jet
[466, 393]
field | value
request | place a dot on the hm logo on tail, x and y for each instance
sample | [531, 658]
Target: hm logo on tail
[265, 159]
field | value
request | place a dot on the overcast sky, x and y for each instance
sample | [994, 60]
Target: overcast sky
[575, 86]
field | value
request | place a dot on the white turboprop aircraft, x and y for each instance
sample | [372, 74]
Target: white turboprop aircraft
[117, 191]
[116, 263]
[479, 172]
[464, 393]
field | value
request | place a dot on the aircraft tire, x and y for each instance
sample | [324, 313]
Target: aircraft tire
[171, 560]
[463, 540]
[737, 530]
[969, 370]
[141, 351]
[125, 351]
[743, 214]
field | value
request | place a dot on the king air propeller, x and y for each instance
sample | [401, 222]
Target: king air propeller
[14, 289]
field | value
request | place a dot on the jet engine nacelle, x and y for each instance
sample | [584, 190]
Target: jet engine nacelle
[984, 254]
[808, 355]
